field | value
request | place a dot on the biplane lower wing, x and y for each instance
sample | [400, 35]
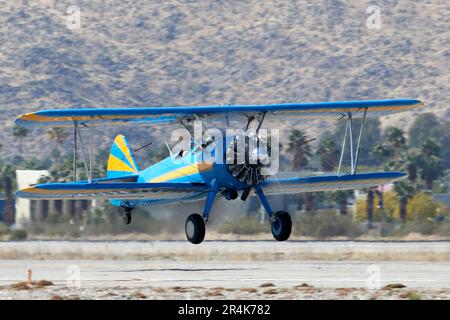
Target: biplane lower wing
[114, 190]
[167, 191]
[329, 183]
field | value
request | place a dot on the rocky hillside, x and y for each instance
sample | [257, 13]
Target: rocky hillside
[184, 52]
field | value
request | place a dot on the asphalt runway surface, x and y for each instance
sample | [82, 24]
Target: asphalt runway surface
[225, 269]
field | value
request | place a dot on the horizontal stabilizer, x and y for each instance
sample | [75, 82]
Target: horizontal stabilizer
[329, 183]
[108, 190]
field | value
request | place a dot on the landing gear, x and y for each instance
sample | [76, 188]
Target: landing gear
[195, 228]
[230, 194]
[195, 223]
[281, 225]
[280, 221]
[127, 216]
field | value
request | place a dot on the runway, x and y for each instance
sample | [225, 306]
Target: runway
[218, 269]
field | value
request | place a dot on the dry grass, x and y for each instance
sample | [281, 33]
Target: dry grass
[215, 293]
[25, 285]
[236, 293]
[138, 295]
[394, 286]
[383, 251]
[270, 291]
[267, 284]
[411, 295]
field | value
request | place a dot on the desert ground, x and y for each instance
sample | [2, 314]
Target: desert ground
[225, 270]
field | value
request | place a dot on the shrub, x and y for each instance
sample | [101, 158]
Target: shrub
[422, 226]
[443, 228]
[325, 225]
[18, 235]
[422, 206]
[3, 229]
[243, 226]
[389, 211]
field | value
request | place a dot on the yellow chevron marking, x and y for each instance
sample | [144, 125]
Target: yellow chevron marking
[120, 142]
[115, 164]
[184, 171]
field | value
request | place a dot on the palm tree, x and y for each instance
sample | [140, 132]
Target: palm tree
[341, 198]
[382, 153]
[300, 149]
[7, 176]
[58, 135]
[430, 166]
[405, 191]
[395, 137]
[20, 133]
[409, 161]
[370, 198]
[328, 153]
[400, 159]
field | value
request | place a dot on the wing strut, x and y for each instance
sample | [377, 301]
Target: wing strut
[354, 155]
[75, 126]
[84, 156]
[87, 166]
[359, 141]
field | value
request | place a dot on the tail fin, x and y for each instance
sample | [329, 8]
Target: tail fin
[121, 162]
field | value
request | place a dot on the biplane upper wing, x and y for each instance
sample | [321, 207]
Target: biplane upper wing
[166, 115]
[329, 182]
[112, 190]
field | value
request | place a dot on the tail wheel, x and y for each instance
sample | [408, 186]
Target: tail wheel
[195, 228]
[281, 225]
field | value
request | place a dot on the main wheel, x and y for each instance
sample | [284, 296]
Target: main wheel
[127, 216]
[281, 226]
[195, 228]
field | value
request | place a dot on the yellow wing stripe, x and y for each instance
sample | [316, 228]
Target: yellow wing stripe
[115, 164]
[184, 171]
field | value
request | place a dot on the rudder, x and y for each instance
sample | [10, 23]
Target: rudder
[121, 162]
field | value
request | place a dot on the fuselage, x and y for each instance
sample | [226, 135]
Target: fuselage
[197, 165]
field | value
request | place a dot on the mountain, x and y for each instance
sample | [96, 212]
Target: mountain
[154, 53]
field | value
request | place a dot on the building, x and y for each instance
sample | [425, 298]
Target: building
[37, 210]
[26, 178]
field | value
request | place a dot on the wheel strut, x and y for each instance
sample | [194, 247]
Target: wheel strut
[127, 216]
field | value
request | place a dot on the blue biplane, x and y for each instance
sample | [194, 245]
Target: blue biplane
[187, 176]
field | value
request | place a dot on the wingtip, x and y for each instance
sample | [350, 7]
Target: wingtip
[399, 175]
[22, 119]
[24, 193]
[418, 103]
[18, 121]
